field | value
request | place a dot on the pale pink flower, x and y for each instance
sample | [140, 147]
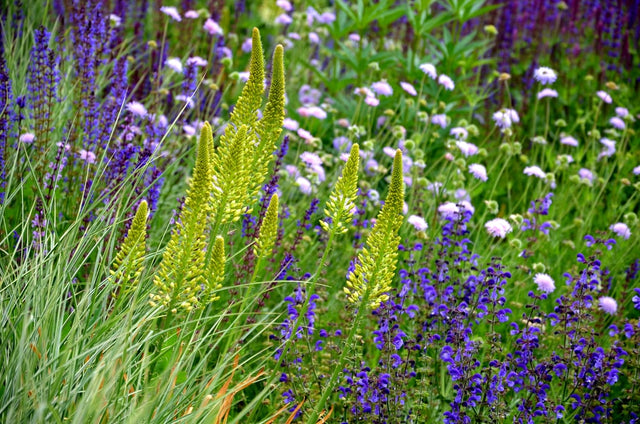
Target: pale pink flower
[212, 27]
[621, 229]
[304, 185]
[448, 210]
[372, 101]
[536, 171]
[191, 14]
[467, 149]
[608, 305]
[478, 171]
[446, 82]
[429, 69]
[547, 92]
[604, 96]
[27, 138]
[382, 88]
[87, 156]
[567, 140]
[290, 124]
[498, 227]
[418, 222]
[304, 134]
[171, 12]
[410, 89]
[544, 282]
[137, 109]
[440, 119]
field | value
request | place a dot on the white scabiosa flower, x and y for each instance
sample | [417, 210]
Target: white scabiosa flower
[382, 88]
[446, 82]
[535, 171]
[604, 96]
[547, 92]
[544, 282]
[418, 222]
[478, 171]
[171, 12]
[175, 64]
[608, 305]
[429, 69]
[621, 229]
[498, 227]
[545, 75]
[567, 140]
[410, 89]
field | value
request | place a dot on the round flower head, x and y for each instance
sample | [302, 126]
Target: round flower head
[27, 138]
[372, 101]
[174, 63]
[418, 222]
[172, 12]
[440, 119]
[410, 89]
[137, 108]
[535, 171]
[585, 174]
[604, 96]
[544, 282]
[567, 140]
[446, 82]
[622, 112]
[459, 133]
[429, 69]
[617, 123]
[547, 92]
[304, 185]
[448, 210]
[621, 229]
[212, 27]
[502, 119]
[478, 171]
[545, 75]
[636, 170]
[290, 124]
[498, 227]
[382, 88]
[467, 149]
[608, 304]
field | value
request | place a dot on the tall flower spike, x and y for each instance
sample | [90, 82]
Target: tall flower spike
[128, 263]
[270, 126]
[371, 279]
[342, 200]
[246, 109]
[214, 274]
[268, 229]
[181, 276]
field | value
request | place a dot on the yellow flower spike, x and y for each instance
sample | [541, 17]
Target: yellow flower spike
[128, 263]
[268, 229]
[342, 199]
[376, 265]
[214, 274]
[181, 272]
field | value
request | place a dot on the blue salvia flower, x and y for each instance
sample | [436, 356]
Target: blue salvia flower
[42, 82]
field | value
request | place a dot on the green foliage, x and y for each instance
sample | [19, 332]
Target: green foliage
[128, 263]
[268, 229]
[181, 274]
[342, 199]
[371, 280]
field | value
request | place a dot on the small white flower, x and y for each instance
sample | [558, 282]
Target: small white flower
[545, 75]
[478, 171]
[544, 282]
[212, 27]
[621, 229]
[410, 89]
[290, 124]
[448, 210]
[536, 171]
[304, 185]
[429, 69]
[446, 82]
[608, 305]
[372, 101]
[547, 92]
[137, 108]
[604, 96]
[115, 20]
[172, 12]
[382, 88]
[191, 14]
[498, 227]
[418, 222]
[175, 64]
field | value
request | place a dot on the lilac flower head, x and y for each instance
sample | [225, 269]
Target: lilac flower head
[567, 140]
[284, 5]
[290, 124]
[498, 227]
[212, 27]
[622, 112]
[175, 64]
[171, 12]
[478, 171]
[545, 75]
[544, 282]
[535, 171]
[608, 305]
[429, 69]
[440, 119]
[448, 210]
[137, 108]
[467, 149]
[609, 148]
[410, 89]
[585, 174]
[446, 82]
[617, 123]
[621, 229]
[382, 88]
[604, 96]
[283, 19]
[418, 222]
[459, 133]
[27, 138]
[304, 185]
[547, 92]
[636, 299]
